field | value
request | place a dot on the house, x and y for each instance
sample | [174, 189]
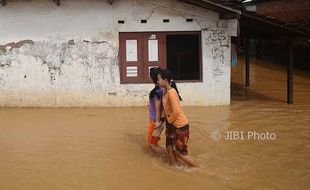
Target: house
[98, 52]
[276, 30]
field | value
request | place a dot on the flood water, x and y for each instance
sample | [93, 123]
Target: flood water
[104, 148]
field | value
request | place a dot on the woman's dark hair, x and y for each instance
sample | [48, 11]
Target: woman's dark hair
[154, 71]
[167, 75]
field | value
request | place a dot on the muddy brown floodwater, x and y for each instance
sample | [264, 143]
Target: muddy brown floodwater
[104, 148]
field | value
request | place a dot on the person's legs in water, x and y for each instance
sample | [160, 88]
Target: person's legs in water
[181, 139]
[169, 145]
[158, 149]
[153, 141]
[171, 155]
[187, 159]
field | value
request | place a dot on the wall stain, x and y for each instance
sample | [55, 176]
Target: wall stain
[219, 42]
[71, 42]
[95, 62]
[112, 93]
[12, 45]
[96, 42]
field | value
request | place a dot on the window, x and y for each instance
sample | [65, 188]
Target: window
[180, 52]
[183, 56]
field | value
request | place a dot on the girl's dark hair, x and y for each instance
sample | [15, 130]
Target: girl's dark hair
[154, 71]
[167, 75]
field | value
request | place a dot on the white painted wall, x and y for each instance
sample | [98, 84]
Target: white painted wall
[68, 55]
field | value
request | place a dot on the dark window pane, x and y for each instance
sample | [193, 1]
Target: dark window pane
[183, 56]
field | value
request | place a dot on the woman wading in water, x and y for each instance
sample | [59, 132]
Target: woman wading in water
[177, 126]
[156, 123]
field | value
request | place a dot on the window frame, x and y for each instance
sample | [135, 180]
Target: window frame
[163, 50]
[200, 54]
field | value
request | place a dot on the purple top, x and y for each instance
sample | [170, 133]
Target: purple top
[160, 93]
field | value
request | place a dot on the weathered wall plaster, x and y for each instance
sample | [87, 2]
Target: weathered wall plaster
[68, 55]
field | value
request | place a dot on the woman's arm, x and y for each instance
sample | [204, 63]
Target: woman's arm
[175, 106]
[163, 114]
[158, 113]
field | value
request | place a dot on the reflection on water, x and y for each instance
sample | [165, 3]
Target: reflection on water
[105, 148]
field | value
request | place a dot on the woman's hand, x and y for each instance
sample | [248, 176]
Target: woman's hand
[158, 124]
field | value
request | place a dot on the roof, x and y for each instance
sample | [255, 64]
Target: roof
[226, 12]
[252, 25]
[257, 26]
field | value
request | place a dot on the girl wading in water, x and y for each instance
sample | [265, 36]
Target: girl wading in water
[156, 123]
[177, 126]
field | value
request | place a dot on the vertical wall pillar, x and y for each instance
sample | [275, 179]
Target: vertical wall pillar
[247, 62]
[290, 74]
[3, 2]
[57, 2]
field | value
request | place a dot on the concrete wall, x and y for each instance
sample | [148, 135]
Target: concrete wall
[68, 55]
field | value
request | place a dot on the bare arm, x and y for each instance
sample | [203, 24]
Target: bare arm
[163, 114]
[175, 106]
[157, 106]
